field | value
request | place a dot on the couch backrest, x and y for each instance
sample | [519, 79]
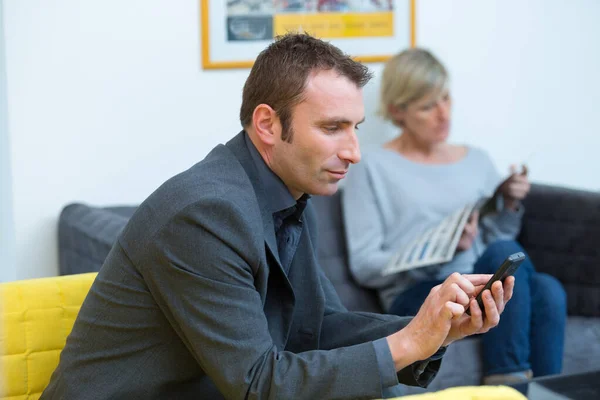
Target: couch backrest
[36, 316]
[333, 255]
[86, 234]
[561, 233]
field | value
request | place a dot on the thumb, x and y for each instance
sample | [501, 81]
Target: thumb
[513, 169]
[525, 170]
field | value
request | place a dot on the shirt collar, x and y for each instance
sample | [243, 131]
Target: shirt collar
[279, 197]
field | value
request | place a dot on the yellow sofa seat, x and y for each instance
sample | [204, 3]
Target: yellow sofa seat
[470, 393]
[35, 318]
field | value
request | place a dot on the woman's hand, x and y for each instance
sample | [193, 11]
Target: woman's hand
[469, 233]
[515, 188]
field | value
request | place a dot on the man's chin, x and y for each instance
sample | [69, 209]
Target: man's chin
[326, 190]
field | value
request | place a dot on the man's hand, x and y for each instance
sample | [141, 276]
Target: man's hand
[515, 188]
[430, 328]
[442, 319]
[469, 233]
[494, 302]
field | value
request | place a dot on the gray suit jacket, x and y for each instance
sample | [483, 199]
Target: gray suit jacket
[192, 303]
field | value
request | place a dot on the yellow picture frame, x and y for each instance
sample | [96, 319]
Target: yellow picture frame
[208, 63]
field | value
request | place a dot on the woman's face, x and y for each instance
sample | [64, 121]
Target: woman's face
[427, 119]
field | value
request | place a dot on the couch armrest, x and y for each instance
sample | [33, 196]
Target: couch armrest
[561, 233]
[86, 234]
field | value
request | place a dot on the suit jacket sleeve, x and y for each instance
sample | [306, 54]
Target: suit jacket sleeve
[344, 328]
[201, 268]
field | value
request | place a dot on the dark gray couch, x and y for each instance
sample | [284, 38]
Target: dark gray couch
[561, 233]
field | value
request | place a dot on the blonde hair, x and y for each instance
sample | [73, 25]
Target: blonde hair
[409, 76]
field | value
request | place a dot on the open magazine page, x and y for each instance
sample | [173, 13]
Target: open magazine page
[437, 244]
[434, 246]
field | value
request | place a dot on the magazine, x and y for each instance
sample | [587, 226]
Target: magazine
[437, 244]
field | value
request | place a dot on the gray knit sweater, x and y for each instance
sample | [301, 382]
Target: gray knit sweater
[388, 199]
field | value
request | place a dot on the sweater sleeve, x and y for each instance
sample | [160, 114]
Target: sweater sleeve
[364, 228]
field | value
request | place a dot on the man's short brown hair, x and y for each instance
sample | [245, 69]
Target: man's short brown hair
[280, 72]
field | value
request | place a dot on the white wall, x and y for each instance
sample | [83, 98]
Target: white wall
[525, 81]
[106, 99]
[7, 239]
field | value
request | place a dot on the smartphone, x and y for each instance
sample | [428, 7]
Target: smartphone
[508, 267]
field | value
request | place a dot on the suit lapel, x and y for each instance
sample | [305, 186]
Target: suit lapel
[279, 303]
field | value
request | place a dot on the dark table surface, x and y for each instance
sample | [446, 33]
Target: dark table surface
[562, 387]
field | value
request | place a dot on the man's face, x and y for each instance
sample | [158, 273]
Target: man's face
[324, 141]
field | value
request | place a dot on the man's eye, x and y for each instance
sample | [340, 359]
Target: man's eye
[331, 129]
[357, 127]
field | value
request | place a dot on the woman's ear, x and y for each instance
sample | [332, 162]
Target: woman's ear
[266, 124]
[397, 113]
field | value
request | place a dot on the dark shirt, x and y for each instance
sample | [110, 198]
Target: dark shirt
[286, 211]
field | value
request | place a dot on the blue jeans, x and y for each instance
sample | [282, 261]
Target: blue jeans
[531, 331]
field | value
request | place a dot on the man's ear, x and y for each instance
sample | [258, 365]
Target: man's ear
[397, 113]
[266, 124]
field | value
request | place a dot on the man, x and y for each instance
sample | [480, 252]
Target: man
[213, 288]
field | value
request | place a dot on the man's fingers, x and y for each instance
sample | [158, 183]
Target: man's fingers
[492, 317]
[508, 286]
[453, 310]
[476, 316]
[479, 288]
[462, 282]
[461, 297]
[498, 294]
[478, 279]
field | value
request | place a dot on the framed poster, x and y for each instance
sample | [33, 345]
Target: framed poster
[233, 32]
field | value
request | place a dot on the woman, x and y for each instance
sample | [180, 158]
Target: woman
[416, 180]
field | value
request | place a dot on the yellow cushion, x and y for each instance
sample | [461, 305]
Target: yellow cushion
[35, 318]
[470, 393]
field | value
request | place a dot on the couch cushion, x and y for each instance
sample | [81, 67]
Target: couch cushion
[36, 316]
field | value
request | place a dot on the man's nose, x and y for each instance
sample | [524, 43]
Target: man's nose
[351, 150]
